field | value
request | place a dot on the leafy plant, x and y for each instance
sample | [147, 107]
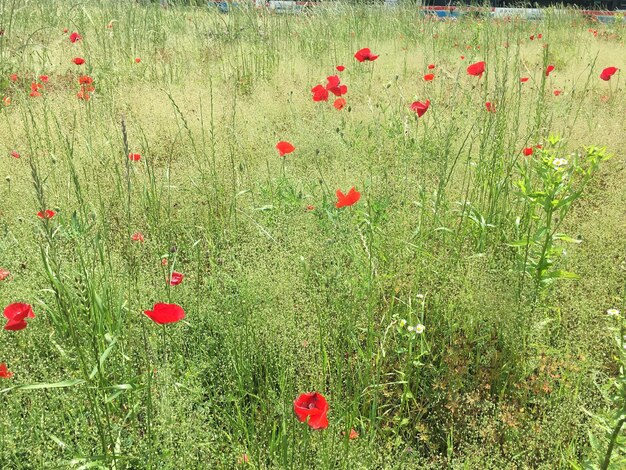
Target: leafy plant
[549, 186]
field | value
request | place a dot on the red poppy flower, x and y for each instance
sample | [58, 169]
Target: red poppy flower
[345, 200]
[431, 66]
[491, 107]
[476, 69]
[420, 108]
[17, 314]
[340, 68]
[65, 30]
[334, 86]
[4, 372]
[429, 77]
[4, 274]
[528, 151]
[353, 434]
[14, 154]
[165, 313]
[462, 57]
[137, 237]
[539, 36]
[310, 208]
[176, 278]
[43, 78]
[137, 60]
[532, 37]
[314, 407]
[47, 214]
[523, 79]
[549, 69]
[164, 262]
[284, 148]
[319, 93]
[13, 77]
[78, 60]
[86, 86]
[135, 157]
[365, 54]
[6, 101]
[34, 89]
[339, 103]
[75, 37]
[607, 73]
[557, 92]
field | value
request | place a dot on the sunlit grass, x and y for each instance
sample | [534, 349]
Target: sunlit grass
[281, 298]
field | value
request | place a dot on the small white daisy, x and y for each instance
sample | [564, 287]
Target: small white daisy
[419, 329]
[419, 296]
[410, 328]
[402, 322]
[612, 312]
[559, 163]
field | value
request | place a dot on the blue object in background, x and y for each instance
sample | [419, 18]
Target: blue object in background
[222, 7]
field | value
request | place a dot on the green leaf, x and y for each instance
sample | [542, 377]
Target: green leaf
[103, 358]
[560, 274]
[565, 238]
[63, 384]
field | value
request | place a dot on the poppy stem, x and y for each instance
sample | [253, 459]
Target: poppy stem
[149, 397]
[164, 342]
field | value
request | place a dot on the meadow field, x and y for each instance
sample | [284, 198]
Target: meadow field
[189, 280]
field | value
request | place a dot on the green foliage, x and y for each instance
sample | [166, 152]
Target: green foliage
[455, 232]
[550, 184]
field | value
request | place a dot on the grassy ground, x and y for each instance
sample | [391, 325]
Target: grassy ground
[283, 299]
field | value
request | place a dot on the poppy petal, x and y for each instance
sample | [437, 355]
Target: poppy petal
[312, 406]
[176, 278]
[284, 148]
[4, 372]
[607, 73]
[476, 69]
[15, 325]
[165, 313]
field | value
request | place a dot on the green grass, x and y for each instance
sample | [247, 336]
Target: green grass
[282, 300]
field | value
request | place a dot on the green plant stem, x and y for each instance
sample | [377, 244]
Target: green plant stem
[609, 450]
